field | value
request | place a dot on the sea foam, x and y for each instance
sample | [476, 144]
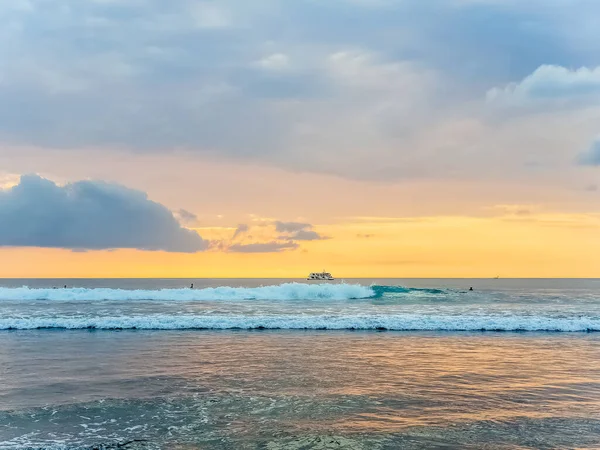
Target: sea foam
[404, 322]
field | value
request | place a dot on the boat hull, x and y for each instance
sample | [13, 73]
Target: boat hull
[320, 276]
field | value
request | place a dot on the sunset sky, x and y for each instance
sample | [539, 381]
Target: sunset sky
[272, 138]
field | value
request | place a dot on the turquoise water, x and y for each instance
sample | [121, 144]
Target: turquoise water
[75, 373]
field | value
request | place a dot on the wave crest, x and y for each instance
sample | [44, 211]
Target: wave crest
[286, 291]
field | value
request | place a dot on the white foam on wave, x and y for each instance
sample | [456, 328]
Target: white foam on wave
[406, 322]
[286, 291]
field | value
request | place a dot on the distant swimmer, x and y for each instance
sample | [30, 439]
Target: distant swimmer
[65, 286]
[192, 286]
[470, 288]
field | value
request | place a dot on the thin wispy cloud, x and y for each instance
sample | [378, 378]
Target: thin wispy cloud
[291, 227]
[263, 247]
[267, 236]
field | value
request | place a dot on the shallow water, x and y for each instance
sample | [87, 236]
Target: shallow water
[302, 389]
[252, 389]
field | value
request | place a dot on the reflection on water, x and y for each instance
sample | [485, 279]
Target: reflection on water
[299, 390]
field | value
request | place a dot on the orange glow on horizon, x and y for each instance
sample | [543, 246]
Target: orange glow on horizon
[544, 246]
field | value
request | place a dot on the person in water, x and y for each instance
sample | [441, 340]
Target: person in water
[192, 286]
[471, 288]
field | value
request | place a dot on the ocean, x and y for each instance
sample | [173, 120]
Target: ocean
[282, 364]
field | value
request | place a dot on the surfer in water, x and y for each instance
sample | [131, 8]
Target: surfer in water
[192, 286]
[471, 288]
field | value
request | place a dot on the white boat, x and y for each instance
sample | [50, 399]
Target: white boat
[321, 276]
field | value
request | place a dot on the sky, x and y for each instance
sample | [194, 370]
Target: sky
[273, 138]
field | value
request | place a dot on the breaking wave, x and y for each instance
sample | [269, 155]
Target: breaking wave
[286, 291]
[406, 322]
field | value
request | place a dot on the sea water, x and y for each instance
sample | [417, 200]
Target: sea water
[282, 364]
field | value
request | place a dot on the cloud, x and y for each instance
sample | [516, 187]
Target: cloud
[355, 88]
[306, 235]
[290, 227]
[89, 215]
[269, 236]
[523, 212]
[549, 82]
[263, 247]
[297, 231]
[591, 157]
[186, 217]
[8, 180]
[274, 62]
[209, 15]
[514, 210]
[241, 229]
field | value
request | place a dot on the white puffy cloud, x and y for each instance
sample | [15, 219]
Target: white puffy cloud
[274, 62]
[550, 83]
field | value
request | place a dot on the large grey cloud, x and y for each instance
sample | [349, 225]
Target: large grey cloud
[89, 215]
[354, 88]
